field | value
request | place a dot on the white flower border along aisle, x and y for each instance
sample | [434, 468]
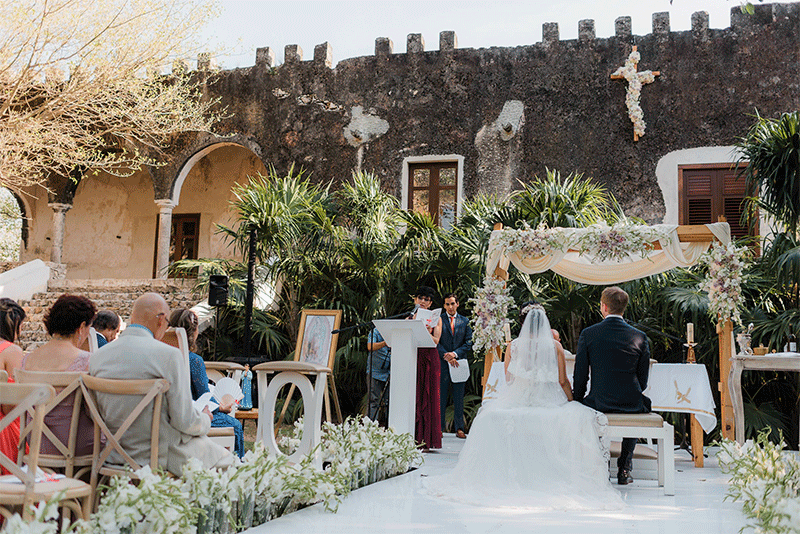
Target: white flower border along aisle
[766, 480]
[253, 491]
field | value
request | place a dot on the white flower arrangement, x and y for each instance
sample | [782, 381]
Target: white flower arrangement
[250, 492]
[532, 243]
[490, 314]
[723, 282]
[635, 82]
[157, 504]
[766, 481]
[618, 242]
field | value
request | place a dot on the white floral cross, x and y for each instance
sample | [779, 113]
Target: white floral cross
[635, 82]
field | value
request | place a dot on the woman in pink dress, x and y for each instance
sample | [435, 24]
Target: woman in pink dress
[67, 322]
[427, 428]
[11, 317]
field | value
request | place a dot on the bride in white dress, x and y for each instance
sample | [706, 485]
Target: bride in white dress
[532, 447]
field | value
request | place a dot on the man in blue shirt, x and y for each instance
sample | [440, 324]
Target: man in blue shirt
[380, 353]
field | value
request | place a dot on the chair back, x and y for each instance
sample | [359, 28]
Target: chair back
[24, 398]
[220, 369]
[176, 337]
[151, 393]
[93, 345]
[65, 385]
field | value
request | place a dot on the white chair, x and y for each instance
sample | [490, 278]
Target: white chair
[93, 345]
[220, 369]
[651, 426]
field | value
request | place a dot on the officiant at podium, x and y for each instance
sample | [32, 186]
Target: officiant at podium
[454, 348]
[427, 427]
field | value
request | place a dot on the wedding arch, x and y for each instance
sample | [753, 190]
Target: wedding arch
[607, 255]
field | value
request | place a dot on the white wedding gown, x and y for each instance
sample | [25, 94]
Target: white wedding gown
[531, 448]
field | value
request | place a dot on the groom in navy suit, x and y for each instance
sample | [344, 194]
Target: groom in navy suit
[455, 344]
[619, 358]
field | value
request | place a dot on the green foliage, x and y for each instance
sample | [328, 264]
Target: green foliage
[355, 250]
[772, 175]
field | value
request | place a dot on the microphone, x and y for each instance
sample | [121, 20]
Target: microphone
[412, 312]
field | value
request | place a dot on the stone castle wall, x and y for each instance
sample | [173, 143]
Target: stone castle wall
[512, 112]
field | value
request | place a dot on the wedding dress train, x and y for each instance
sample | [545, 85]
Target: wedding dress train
[531, 448]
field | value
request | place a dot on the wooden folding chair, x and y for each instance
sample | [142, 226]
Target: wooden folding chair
[20, 488]
[152, 393]
[65, 384]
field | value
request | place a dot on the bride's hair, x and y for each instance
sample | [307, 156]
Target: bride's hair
[526, 308]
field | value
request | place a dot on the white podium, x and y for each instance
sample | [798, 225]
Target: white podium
[403, 337]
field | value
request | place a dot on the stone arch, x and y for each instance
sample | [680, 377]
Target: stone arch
[25, 214]
[210, 146]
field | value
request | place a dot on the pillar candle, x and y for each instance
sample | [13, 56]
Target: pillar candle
[689, 333]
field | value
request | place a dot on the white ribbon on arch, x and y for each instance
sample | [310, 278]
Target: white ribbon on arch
[572, 265]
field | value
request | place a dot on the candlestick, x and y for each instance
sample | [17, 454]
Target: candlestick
[689, 333]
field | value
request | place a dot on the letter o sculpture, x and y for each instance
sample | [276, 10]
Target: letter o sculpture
[313, 397]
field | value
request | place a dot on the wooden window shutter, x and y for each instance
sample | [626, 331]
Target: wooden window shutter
[708, 191]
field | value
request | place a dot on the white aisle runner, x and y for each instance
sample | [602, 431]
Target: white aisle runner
[399, 505]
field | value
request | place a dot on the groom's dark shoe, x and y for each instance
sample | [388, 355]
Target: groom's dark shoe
[624, 477]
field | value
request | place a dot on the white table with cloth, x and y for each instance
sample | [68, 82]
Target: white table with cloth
[683, 387]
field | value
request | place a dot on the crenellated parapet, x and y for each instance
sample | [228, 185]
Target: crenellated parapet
[512, 111]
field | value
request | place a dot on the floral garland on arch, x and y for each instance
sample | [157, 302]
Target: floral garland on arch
[535, 243]
[609, 243]
[492, 302]
[723, 281]
[600, 242]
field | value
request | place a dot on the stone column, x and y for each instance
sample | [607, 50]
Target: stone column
[59, 218]
[164, 233]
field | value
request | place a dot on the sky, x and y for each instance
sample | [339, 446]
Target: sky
[352, 27]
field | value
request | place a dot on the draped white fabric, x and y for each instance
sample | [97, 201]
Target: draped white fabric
[586, 270]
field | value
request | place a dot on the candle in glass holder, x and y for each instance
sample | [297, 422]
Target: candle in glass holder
[689, 332]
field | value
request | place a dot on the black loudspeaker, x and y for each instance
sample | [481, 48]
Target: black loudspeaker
[218, 290]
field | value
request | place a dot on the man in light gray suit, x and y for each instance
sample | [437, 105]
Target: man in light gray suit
[138, 354]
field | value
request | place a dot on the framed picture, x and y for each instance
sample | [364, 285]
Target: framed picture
[315, 343]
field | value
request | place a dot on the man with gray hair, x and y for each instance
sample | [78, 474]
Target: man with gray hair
[138, 354]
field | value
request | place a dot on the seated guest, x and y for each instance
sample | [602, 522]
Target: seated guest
[187, 319]
[107, 324]
[67, 322]
[11, 317]
[139, 355]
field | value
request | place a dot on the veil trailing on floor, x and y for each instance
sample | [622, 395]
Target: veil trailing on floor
[531, 448]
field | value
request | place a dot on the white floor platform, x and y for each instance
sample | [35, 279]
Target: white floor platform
[398, 506]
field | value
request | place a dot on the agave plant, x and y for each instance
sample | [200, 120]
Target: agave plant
[569, 202]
